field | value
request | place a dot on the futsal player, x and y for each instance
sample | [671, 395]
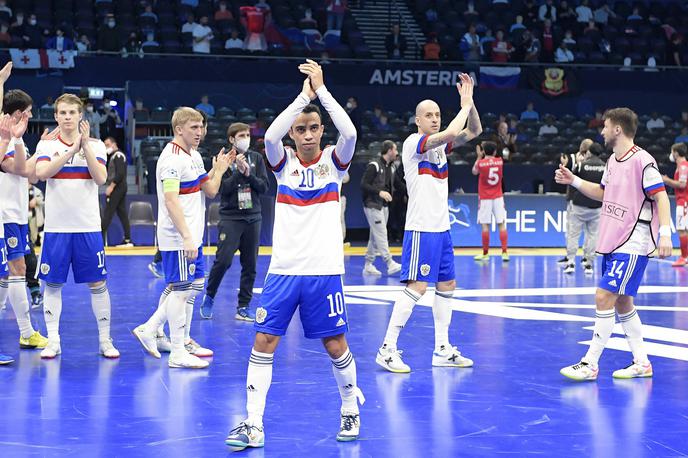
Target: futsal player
[428, 252]
[490, 171]
[678, 155]
[635, 221]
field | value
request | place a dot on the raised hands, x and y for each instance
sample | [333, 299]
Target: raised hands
[314, 73]
[19, 128]
[242, 165]
[50, 134]
[5, 72]
[563, 175]
[6, 127]
[465, 88]
[223, 160]
[308, 90]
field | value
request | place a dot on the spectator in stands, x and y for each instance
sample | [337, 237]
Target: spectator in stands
[94, 118]
[684, 118]
[31, 33]
[234, 42]
[336, 9]
[395, 43]
[683, 137]
[548, 11]
[547, 41]
[149, 44]
[673, 50]
[431, 14]
[597, 121]
[471, 15]
[109, 37]
[148, 12]
[307, 21]
[254, 20]
[566, 16]
[529, 11]
[635, 15]
[49, 103]
[591, 30]
[563, 54]
[470, 45]
[84, 44]
[354, 112]
[529, 48]
[17, 25]
[548, 128]
[139, 106]
[603, 13]
[655, 122]
[133, 45]
[112, 119]
[59, 41]
[383, 126]
[325, 58]
[530, 113]
[506, 142]
[5, 38]
[377, 114]
[431, 49]
[569, 40]
[206, 106]
[5, 9]
[518, 25]
[584, 13]
[202, 35]
[501, 48]
[486, 43]
[189, 25]
[222, 13]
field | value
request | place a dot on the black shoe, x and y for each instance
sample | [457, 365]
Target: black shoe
[563, 260]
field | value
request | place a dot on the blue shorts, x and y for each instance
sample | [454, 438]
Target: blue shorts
[4, 267]
[320, 299]
[83, 251]
[427, 256]
[17, 240]
[622, 273]
[178, 269]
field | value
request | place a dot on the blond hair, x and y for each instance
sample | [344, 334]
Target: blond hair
[182, 115]
[69, 99]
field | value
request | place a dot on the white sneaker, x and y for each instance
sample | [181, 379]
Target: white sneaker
[245, 435]
[587, 269]
[635, 370]
[370, 269]
[570, 268]
[186, 360]
[393, 267]
[108, 350]
[581, 371]
[349, 426]
[163, 343]
[390, 359]
[194, 348]
[147, 340]
[51, 350]
[450, 357]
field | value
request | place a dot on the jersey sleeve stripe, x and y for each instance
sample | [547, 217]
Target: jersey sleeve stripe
[280, 165]
[654, 189]
[9, 154]
[101, 160]
[337, 163]
[448, 148]
[43, 158]
[420, 149]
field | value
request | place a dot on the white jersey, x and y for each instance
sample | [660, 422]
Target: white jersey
[14, 190]
[71, 195]
[426, 176]
[186, 166]
[307, 233]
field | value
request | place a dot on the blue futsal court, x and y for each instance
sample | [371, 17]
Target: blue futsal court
[521, 322]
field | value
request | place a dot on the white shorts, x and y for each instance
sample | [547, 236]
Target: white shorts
[489, 207]
[681, 218]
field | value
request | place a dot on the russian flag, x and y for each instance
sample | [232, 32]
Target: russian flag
[499, 77]
[286, 195]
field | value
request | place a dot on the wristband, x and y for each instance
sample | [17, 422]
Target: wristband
[577, 182]
[18, 141]
[664, 231]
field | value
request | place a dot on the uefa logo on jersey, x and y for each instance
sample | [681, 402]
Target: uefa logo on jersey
[261, 314]
[45, 268]
[424, 270]
[192, 269]
[13, 242]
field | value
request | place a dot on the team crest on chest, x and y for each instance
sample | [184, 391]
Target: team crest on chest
[322, 170]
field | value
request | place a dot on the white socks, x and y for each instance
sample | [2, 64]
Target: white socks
[634, 336]
[156, 322]
[20, 305]
[176, 315]
[442, 314]
[100, 303]
[52, 309]
[196, 289]
[400, 315]
[344, 370]
[604, 323]
[258, 380]
[4, 291]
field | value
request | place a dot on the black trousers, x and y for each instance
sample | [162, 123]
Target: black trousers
[233, 235]
[31, 264]
[116, 203]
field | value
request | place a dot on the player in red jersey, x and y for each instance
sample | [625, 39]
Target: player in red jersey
[490, 171]
[678, 154]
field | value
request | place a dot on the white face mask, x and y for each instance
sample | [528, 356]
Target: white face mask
[242, 144]
[349, 105]
[671, 157]
[108, 151]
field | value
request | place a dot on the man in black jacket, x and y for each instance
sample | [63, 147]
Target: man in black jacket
[377, 188]
[240, 218]
[584, 213]
[116, 191]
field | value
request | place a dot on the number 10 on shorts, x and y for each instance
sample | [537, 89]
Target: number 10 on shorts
[336, 304]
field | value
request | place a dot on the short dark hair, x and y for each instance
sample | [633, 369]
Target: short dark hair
[596, 149]
[14, 100]
[237, 127]
[625, 118]
[680, 148]
[112, 139]
[312, 108]
[204, 115]
[489, 147]
[386, 146]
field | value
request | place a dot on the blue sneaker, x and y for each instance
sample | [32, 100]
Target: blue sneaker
[207, 307]
[245, 435]
[4, 359]
[156, 269]
[244, 314]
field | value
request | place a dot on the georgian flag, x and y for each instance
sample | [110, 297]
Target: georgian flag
[26, 58]
[60, 59]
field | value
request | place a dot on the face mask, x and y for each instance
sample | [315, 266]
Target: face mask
[111, 24]
[349, 105]
[505, 153]
[89, 109]
[108, 151]
[671, 158]
[242, 144]
[32, 21]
